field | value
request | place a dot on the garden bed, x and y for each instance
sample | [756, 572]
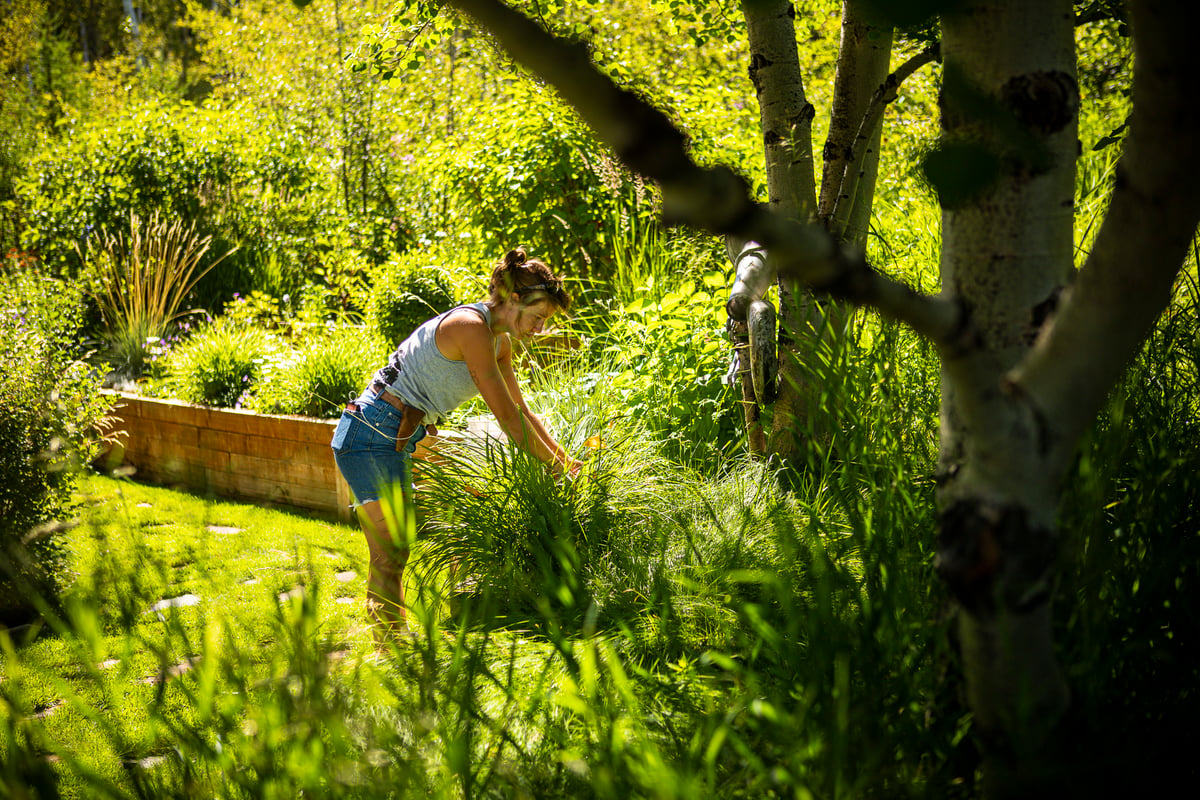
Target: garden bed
[243, 455]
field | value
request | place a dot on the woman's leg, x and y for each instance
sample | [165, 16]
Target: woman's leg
[385, 570]
[364, 447]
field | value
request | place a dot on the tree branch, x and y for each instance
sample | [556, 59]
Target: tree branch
[714, 199]
[1125, 284]
[864, 52]
[884, 95]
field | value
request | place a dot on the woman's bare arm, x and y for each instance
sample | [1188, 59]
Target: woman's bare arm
[463, 336]
[504, 360]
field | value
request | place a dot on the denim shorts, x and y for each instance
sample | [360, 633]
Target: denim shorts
[364, 446]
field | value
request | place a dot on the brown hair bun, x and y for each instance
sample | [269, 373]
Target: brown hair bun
[527, 278]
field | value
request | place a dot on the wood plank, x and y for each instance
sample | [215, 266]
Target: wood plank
[301, 473]
[165, 431]
[258, 488]
[175, 411]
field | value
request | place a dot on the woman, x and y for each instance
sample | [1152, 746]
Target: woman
[466, 351]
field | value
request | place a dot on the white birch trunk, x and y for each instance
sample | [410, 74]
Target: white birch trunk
[1006, 254]
[785, 121]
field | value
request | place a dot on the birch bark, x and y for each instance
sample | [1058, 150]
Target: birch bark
[1009, 91]
[850, 166]
[785, 120]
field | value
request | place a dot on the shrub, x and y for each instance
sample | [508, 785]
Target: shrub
[48, 411]
[665, 358]
[316, 380]
[219, 364]
[402, 295]
[544, 181]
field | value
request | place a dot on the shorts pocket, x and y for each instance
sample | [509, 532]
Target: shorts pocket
[342, 432]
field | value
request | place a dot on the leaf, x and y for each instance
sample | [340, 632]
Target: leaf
[1114, 137]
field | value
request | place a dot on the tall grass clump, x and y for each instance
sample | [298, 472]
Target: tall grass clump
[1130, 517]
[140, 280]
[533, 543]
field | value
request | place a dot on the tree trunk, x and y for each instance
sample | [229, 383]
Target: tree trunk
[848, 183]
[1010, 98]
[785, 121]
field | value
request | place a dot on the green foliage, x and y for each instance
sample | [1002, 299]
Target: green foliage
[230, 181]
[540, 179]
[219, 363]
[316, 379]
[49, 413]
[402, 293]
[663, 358]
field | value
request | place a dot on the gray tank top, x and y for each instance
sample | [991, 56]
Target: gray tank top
[423, 378]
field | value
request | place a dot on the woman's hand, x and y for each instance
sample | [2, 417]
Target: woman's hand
[566, 466]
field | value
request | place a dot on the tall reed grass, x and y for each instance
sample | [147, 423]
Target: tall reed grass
[140, 281]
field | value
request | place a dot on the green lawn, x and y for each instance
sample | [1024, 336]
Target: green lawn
[179, 604]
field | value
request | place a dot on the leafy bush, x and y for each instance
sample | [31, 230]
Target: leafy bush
[230, 178]
[403, 293]
[543, 180]
[665, 356]
[219, 364]
[315, 380]
[49, 411]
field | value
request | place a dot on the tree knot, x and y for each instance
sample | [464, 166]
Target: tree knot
[1044, 101]
[992, 557]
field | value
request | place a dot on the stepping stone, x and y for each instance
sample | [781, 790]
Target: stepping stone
[346, 577]
[250, 582]
[175, 602]
[48, 710]
[224, 530]
[109, 664]
[295, 591]
[172, 672]
[144, 505]
[346, 601]
[150, 762]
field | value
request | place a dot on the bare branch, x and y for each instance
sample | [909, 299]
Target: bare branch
[713, 199]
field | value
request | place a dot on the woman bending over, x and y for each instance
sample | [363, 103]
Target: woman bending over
[466, 351]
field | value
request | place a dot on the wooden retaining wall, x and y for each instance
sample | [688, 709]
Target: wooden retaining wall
[236, 454]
